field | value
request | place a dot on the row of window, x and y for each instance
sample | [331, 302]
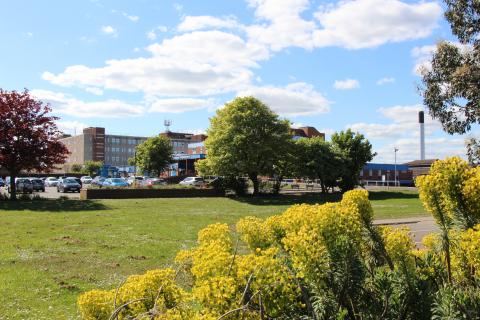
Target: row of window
[370, 172]
[121, 149]
[130, 141]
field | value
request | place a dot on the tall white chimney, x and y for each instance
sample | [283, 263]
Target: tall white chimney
[421, 121]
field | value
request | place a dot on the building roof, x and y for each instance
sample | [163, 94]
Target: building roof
[307, 132]
[421, 163]
[177, 135]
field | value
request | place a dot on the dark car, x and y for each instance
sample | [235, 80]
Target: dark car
[68, 184]
[22, 185]
[77, 179]
[37, 184]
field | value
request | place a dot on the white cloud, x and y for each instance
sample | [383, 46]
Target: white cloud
[179, 105]
[109, 30]
[403, 131]
[281, 24]
[152, 34]
[349, 24]
[178, 7]
[130, 17]
[422, 56]
[94, 90]
[370, 23]
[294, 99]
[200, 63]
[64, 104]
[409, 149]
[347, 84]
[192, 23]
[29, 34]
[71, 127]
[385, 80]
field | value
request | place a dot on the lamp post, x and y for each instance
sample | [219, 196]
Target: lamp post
[395, 149]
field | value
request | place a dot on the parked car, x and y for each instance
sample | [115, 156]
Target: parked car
[37, 184]
[68, 184]
[51, 182]
[115, 182]
[155, 182]
[22, 185]
[86, 179]
[192, 181]
[98, 181]
[138, 180]
[77, 179]
[2, 183]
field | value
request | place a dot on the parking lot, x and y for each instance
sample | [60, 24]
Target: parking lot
[50, 193]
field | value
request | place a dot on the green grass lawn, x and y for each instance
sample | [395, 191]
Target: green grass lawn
[52, 250]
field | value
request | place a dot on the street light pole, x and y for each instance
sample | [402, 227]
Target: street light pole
[395, 151]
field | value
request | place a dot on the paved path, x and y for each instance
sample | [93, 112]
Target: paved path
[50, 193]
[420, 226]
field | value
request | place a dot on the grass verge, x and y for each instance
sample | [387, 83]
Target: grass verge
[52, 250]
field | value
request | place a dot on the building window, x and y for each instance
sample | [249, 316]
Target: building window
[370, 172]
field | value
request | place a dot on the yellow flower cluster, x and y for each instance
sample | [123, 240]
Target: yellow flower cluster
[255, 232]
[139, 294]
[400, 246]
[470, 247]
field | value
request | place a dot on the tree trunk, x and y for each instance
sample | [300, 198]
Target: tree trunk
[254, 178]
[13, 188]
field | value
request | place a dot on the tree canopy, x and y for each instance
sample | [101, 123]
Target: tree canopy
[355, 151]
[154, 154]
[29, 138]
[92, 167]
[317, 159]
[246, 138]
[451, 87]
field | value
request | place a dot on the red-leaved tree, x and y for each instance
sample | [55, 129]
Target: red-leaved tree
[29, 137]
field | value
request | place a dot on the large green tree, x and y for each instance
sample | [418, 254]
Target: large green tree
[355, 151]
[92, 167]
[451, 87]
[246, 138]
[154, 154]
[317, 159]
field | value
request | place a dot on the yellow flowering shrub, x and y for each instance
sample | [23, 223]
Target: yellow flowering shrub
[255, 232]
[359, 198]
[469, 249]
[96, 304]
[139, 292]
[272, 279]
[217, 294]
[278, 258]
[471, 193]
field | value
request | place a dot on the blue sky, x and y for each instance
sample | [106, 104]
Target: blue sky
[128, 65]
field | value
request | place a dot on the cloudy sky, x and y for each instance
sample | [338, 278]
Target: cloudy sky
[129, 65]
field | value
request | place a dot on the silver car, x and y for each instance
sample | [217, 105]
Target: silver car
[51, 182]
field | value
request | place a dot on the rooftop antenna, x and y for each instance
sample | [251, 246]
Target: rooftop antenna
[167, 124]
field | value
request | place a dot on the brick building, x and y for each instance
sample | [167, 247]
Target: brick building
[384, 174]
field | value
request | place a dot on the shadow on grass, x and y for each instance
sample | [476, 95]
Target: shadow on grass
[287, 199]
[314, 198]
[52, 205]
[388, 195]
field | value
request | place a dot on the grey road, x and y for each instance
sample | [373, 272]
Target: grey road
[418, 226]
